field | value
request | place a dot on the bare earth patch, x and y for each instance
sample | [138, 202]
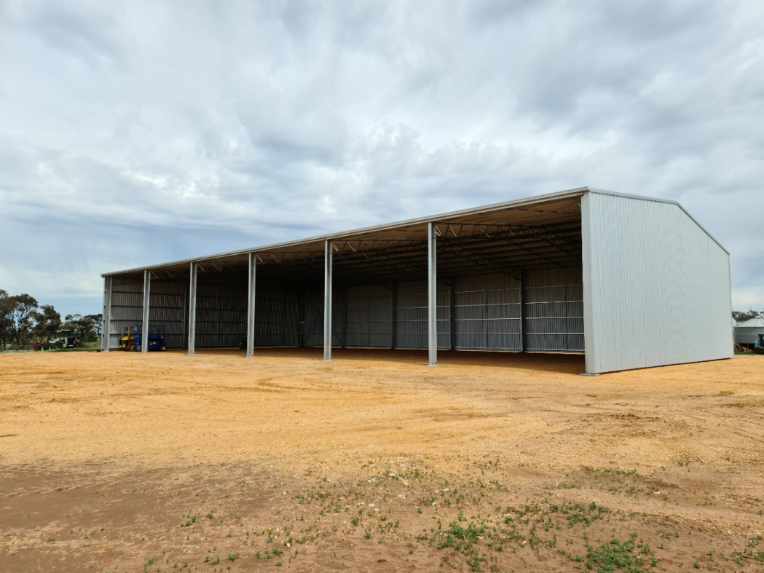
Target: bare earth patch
[375, 462]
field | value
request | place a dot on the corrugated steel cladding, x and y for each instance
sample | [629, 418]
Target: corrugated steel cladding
[749, 332]
[657, 286]
[631, 281]
[486, 313]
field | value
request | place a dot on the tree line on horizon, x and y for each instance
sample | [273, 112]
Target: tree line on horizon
[746, 315]
[24, 322]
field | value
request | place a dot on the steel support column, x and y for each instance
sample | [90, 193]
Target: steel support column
[192, 271]
[432, 296]
[106, 316]
[251, 305]
[327, 300]
[146, 311]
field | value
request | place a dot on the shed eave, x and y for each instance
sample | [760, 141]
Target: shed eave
[442, 217]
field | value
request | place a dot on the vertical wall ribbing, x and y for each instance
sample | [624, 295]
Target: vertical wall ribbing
[487, 312]
[452, 315]
[394, 319]
[523, 298]
[553, 306]
[658, 286]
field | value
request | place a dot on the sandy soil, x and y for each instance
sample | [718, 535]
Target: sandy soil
[375, 462]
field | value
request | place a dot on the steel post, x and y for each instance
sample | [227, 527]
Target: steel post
[146, 311]
[327, 300]
[432, 296]
[251, 305]
[106, 316]
[192, 269]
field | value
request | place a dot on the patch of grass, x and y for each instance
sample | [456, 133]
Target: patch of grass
[387, 526]
[751, 553]
[189, 520]
[611, 472]
[463, 539]
[630, 556]
[460, 537]
[618, 480]
[269, 554]
[580, 513]
[233, 556]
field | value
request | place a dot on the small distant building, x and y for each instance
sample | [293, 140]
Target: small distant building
[749, 332]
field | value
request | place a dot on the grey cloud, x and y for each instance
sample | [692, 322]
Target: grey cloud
[227, 125]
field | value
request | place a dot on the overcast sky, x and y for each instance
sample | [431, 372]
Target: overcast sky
[135, 133]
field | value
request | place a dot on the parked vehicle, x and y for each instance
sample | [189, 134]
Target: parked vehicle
[156, 343]
[65, 339]
[131, 340]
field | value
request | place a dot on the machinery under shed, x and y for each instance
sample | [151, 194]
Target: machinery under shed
[630, 282]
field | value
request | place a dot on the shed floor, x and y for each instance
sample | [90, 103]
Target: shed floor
[558, 362]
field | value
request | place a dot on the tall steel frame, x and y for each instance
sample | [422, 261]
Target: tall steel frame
[192, 271]
[146, 310]
[327, 300]
[432, 295]
[106, 316]
[251, 286]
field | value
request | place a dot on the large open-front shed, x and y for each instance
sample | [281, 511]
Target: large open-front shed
[628, 281]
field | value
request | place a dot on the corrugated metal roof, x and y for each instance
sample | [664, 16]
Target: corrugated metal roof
[753, 323]
[475, 215]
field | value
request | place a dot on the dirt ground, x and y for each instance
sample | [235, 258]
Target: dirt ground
[375, 462]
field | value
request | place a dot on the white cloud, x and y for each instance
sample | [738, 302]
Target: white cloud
[136, 131]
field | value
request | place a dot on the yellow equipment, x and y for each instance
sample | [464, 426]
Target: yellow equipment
[127, 340]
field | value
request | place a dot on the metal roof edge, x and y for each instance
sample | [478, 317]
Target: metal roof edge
[567, 193]
[750, 323]
[660, 200]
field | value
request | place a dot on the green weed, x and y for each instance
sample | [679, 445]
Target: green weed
[629, 556]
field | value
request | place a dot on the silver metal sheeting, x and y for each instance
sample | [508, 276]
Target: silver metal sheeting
[481, 312]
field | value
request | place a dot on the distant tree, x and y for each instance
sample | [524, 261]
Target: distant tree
[86, 327]
[97, 322]
[6, 324]
[46, 323]
[747, 315]
[71, 322]
[23, 305]
[22, 321]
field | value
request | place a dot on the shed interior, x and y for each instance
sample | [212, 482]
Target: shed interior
[508, 279]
